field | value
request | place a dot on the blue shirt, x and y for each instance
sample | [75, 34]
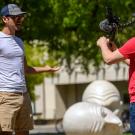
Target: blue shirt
[12, 78]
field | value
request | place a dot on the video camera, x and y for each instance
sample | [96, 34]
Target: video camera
[112, 24]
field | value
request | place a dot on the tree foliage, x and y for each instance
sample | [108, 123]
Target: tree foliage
[35, 56]
[71, 27]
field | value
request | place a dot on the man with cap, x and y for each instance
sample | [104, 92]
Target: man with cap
[111, 54]
[15, 104]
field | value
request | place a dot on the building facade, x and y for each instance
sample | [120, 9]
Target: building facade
[56, 94]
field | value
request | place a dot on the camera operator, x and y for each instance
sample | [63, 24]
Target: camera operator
[111, 55]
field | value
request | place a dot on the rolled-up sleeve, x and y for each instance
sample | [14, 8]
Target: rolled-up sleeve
[128, 49]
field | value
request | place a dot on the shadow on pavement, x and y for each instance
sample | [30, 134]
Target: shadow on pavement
[47, 134]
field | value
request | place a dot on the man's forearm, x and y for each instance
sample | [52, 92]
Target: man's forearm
[127, 61]
[34, 70]
[106, 53]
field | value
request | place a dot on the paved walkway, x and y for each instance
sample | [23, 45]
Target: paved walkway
[47, 129]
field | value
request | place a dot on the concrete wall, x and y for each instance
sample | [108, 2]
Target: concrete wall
[58, 98]
[56, 94]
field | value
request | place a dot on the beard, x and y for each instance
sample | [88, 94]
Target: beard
[18, 27]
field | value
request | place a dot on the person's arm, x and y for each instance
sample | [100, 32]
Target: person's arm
[34, 70]
[113, 47]
[127, 61]
[108, 55]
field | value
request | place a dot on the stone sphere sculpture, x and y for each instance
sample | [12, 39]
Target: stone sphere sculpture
[103, 93]
[85, 118]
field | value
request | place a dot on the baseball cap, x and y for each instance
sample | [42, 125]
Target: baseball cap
[11, 10]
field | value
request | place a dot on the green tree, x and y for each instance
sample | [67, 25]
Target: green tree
[71, 27]
[36, 55]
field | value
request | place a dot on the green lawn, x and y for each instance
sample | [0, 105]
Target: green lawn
[127, 134]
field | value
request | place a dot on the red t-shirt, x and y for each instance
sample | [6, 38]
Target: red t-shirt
[128, 51]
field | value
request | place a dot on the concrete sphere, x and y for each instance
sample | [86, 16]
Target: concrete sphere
[103, 93]
[85, 118]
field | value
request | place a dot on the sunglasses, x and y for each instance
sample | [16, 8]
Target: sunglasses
[17, 17]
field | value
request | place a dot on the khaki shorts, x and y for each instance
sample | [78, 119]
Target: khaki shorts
[15, 112]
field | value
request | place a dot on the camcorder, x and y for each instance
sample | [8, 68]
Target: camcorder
[112, 24]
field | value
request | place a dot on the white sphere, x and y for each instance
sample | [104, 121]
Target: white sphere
[103, 93]
[85, 118]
